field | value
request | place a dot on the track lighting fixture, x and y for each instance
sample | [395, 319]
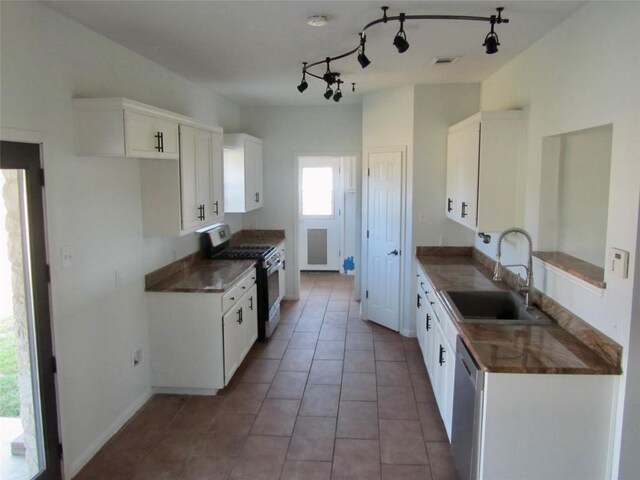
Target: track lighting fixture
[303, 84]
[329, 76]
[400, 42]
[491, 44]
[491, 41]
[338, 95]
[362, 58]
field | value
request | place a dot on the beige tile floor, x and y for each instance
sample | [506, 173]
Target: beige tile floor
[329, 396]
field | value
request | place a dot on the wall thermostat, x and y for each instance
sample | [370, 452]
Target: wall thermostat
[619, 263]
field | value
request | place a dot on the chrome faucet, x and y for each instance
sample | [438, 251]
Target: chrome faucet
[528, 285]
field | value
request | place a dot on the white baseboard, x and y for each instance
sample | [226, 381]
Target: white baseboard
[184, 391]
[98, 443]
[408, 332]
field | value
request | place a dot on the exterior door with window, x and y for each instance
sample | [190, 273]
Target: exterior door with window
[321, 206]
[28, 414]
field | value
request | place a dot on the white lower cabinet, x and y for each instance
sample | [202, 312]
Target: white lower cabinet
[282, 274]
[196, 343]
[435, 335]
[531, 426]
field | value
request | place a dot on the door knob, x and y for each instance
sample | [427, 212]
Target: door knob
[393, 252]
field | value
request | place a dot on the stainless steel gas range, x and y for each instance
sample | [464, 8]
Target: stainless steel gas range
[215, 245]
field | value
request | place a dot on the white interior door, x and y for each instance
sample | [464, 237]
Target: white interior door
[321, 208]
[384, 224]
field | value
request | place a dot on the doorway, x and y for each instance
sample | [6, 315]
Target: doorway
[28, 415]
[383, 236]
[321, 207]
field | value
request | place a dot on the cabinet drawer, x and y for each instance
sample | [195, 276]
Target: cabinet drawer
[246, 283]
[230, 297]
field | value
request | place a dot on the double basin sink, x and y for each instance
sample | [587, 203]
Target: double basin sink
[491, 306]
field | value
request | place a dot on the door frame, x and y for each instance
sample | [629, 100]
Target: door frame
[47, 374]
[364, 261]
[296, 211]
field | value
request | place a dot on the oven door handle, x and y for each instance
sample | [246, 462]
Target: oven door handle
[274, 266]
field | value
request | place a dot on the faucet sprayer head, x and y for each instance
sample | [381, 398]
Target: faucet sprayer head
[496, 272]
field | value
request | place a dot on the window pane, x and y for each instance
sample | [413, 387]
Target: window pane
[317, 191]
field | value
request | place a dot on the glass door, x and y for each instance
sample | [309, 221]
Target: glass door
[29, 447]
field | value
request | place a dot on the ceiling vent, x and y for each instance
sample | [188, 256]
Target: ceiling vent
[444, 60]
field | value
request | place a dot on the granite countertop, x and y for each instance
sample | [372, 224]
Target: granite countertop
[511, 348]
[198, 275]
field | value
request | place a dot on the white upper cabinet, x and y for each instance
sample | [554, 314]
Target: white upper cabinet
[181, 164]
[482, 163]
[243, 173]
[200, 177]
[148, 136]
[119, 127]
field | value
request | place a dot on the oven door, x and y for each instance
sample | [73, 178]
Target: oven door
[273, 288]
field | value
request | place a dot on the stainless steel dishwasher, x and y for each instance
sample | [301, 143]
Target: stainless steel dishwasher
[467, 410]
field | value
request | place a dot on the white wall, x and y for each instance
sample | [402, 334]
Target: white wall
[94, 211]
[288, 132]
[584, 73]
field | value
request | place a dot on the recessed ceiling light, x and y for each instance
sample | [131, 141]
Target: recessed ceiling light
[317, 20]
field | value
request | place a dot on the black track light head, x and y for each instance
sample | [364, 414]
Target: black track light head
[362, 58]
[400, 41]
[491, 41]
[338, 95]
[328, 93]
[303, 84]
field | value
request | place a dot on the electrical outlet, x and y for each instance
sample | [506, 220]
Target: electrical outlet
[137, 356]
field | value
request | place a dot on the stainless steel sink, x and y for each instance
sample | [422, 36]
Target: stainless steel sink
[493, 306]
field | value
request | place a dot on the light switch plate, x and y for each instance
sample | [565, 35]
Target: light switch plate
[619, 262]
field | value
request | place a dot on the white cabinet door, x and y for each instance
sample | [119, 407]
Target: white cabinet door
[243, 176]
[253, 175]
[195, 176]
[250, 319]
[420, 317]
[482, 162]
[150, 137]
[234, 340]
[453, 159]
[216, 209]
[469, 144]
[258, 174]
[282, 281]
[169, 141]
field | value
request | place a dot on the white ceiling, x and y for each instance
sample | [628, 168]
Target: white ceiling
[251, 51]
